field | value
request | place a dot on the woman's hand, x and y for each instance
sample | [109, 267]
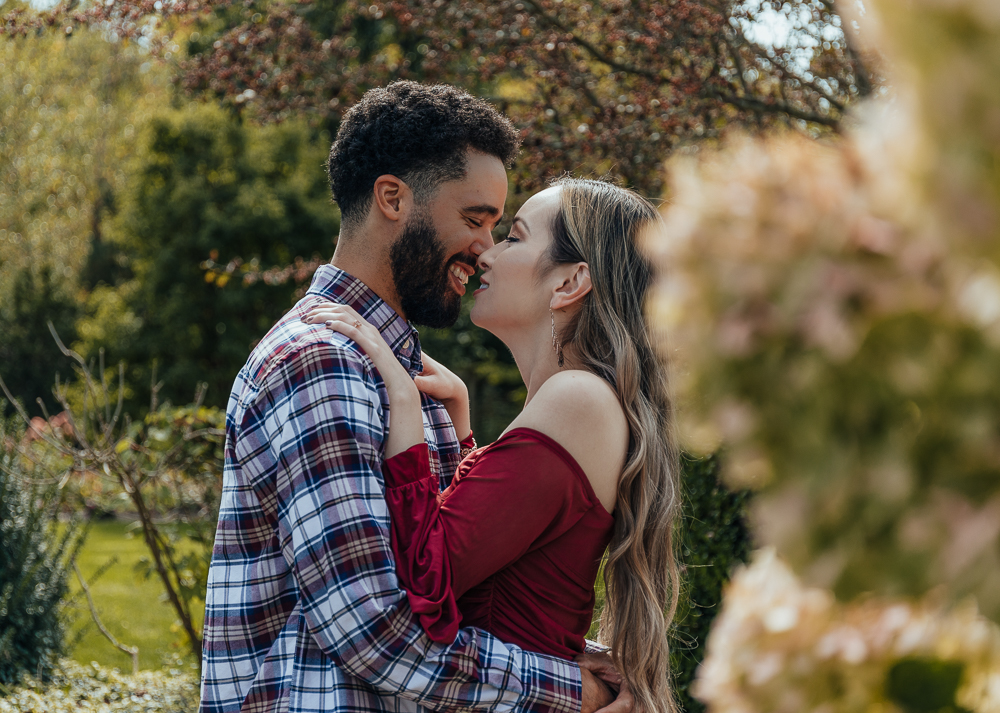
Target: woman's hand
[439, 382]
[406, 426]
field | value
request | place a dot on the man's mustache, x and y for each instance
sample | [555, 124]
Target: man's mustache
[469, 260]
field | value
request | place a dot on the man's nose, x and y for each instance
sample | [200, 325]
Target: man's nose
[485, 258]
[482, 242]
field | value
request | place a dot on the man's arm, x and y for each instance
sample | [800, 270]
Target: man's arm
[325, 436]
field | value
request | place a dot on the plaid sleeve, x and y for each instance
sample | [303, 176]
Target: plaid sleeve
[323, 426]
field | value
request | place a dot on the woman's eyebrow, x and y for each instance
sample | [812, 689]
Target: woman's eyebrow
[522, 223]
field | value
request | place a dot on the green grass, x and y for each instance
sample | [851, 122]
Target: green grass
[135, 610]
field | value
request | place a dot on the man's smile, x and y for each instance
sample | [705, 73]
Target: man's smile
[460, 274]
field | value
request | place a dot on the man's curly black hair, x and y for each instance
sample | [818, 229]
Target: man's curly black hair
[418, 133]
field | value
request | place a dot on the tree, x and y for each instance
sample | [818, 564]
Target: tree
[597, 87]
[64, 135]
[28, 361]
[205, 186]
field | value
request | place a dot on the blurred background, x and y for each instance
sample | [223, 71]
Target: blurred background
[829, 299]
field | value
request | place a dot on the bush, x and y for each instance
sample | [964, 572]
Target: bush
[95, 688]
[34, 567]
[33, 296]
[714, 540]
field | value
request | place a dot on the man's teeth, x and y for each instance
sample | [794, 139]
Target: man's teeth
[461, 274]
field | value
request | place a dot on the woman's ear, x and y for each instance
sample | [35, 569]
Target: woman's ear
[575, 286]
[393, 198]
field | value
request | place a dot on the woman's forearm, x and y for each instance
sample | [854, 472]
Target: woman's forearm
[458, 410]
[406, 420]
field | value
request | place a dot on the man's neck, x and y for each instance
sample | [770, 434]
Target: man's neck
[372, 271]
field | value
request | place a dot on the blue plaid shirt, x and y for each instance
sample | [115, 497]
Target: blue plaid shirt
[304, 611]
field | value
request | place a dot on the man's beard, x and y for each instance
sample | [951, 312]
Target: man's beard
[420, 271]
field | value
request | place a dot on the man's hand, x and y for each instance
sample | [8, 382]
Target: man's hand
[596, 695]
[599, 666]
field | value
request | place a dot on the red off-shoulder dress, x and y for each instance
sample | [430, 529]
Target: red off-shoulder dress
[513, 546]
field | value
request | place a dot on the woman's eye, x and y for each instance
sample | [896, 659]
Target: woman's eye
[512, 239]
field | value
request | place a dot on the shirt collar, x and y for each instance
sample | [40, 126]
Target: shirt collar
[334, 284]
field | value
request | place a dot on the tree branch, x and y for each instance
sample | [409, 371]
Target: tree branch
[592, 49]
[132, 651]
[760, 53]
[862, 77]
[747, 103]
[762, 106]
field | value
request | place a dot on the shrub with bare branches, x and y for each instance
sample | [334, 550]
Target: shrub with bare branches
[169, 466]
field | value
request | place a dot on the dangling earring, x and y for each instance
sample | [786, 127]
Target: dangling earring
[556, 344]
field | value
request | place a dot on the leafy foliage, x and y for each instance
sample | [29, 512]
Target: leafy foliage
[777, 645]
[105, 690]
[837, 310]
[29, 358]
[34, 568]
[65, 130]
[715, 539]
[207, 186]
[920, 685]
[168, 466]
[188, 445]
[597, 87]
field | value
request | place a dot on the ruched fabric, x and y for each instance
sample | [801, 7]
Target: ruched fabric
[513, 546]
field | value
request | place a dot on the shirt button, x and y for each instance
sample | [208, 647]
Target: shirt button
[406, 344]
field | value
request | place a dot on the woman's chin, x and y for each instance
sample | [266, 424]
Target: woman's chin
[481, 320]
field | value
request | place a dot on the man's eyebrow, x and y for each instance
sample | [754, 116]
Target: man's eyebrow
[485, 209]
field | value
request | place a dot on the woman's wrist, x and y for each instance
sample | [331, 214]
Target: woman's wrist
[403, 390]
[458, 409]
[406, 423]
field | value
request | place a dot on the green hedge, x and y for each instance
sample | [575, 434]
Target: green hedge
[714, 540]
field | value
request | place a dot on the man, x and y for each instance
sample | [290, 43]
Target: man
[304, 611]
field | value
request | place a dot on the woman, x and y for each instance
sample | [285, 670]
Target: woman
[514, 545]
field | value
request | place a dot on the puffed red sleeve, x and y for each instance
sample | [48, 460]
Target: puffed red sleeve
[513, 494]
[418, 543]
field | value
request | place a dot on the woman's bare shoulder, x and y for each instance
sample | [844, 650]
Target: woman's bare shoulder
[582, 413]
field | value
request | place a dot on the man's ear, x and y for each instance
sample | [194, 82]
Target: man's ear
[393, 198]
[575, 286]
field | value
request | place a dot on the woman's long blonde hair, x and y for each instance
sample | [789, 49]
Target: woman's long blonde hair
[600, 223]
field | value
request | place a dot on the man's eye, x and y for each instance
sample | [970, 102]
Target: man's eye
[475, 223]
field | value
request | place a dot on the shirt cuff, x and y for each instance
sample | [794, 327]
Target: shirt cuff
[592, 647]
[555, 687]
[407, 467]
